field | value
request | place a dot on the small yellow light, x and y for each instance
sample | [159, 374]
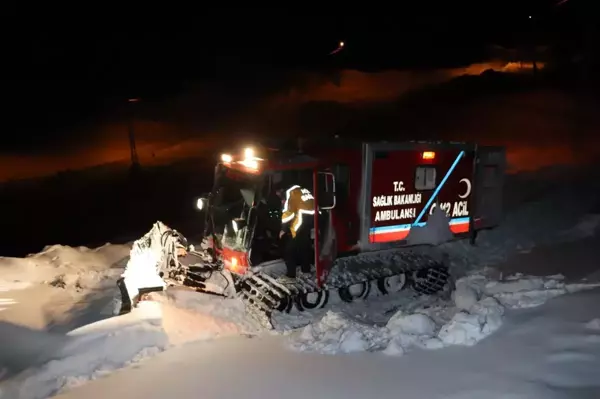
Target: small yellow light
[429, 155]
[249, 153]
[226, 158]
[341, 44]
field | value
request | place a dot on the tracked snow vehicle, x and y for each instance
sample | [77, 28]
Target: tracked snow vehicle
[381, 210]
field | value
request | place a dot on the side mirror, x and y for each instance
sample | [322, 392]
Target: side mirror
[326, 189]
[201, 203]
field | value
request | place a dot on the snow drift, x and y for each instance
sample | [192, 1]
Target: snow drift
[64, 267]
[546, 352]
[88, 353]
[163, 321]
[97, 349]
[477, 310]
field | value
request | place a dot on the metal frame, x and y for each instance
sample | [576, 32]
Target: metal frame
[473, 198]
[316, 225]
[364, 210]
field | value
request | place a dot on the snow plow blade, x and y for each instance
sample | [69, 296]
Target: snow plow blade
[148, 261]
[128, 302]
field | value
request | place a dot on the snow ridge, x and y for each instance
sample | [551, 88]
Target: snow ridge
[477, 310]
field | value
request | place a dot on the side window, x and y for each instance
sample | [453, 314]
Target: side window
[425, 177]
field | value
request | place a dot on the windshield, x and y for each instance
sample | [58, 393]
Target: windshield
[233, 193]
[231, 185]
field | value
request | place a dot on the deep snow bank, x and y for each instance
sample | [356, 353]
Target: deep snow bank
[90, 352]
[164, 321]
[547, 352]
[64, 267]
[188, 315]
[477, 310]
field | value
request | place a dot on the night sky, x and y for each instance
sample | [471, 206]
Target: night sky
[59, 74]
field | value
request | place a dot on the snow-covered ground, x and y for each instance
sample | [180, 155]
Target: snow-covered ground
[548, 215]
[550, 352]
[477, 310]
[60, 288]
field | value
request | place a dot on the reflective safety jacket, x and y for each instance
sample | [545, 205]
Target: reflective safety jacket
[298, 202]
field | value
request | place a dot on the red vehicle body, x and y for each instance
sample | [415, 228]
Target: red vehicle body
[374, 193]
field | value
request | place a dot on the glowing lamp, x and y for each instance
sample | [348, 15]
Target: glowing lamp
[250, 163]
[226, 158]
[428, 155]
[233, 266]
[200, 204]
[249, 153]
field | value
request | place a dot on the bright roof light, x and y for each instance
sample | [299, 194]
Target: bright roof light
[226, 158]
[250, 163]
[249, 152]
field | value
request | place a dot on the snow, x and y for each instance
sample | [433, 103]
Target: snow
[5, 302]
[336, 333]
[190, 316]
[542, 352]
[593, 324]
[63, 267]
[477, 310]
[586, 227]
[92, 351]
[435, 232]
[546, 208]
[468, 327]
[13, 285]
[97, 349]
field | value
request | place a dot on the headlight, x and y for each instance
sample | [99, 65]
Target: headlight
[201, 203]
[250, 163]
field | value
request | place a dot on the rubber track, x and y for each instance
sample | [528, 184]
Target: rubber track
[263, 293]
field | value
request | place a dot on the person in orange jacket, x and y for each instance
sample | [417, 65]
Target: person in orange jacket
[297, 221]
